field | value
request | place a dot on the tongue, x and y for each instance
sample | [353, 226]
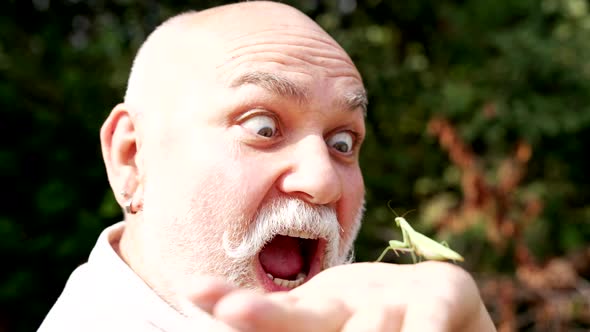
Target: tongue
[282, 257]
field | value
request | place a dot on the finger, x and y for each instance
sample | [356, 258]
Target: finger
[243, 310]
[282, 297]
[379, 318]
[322, 314]
[207, 292]
[247, 311]
[425, 313]
[446, 305]
[483, 322]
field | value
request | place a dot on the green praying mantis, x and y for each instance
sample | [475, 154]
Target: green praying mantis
[419, 244]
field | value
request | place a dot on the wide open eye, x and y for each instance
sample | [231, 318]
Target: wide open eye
[262, 125]
[342, 141]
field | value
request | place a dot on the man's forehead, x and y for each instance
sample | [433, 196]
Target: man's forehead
[292, 64]
[219, 45]
[228, 32]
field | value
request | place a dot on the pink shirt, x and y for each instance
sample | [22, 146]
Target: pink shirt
[105, 294]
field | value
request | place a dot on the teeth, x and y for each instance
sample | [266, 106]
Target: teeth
[288, 283]
[299, 234]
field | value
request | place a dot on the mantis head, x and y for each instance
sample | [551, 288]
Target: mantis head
[397, 217]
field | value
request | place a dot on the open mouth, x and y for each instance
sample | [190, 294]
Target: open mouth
[289, 260]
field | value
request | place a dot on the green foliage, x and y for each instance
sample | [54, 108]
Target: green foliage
[501, 72]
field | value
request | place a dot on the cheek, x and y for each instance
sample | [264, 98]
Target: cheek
[220, 185]
[187, 179]
[353, 192]
[188, 206]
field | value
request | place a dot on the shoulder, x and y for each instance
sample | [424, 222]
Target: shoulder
[94, 297]
[105, 294]
[87, 303]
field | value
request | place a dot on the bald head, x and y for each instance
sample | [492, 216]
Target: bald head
[192, 44]
[239, 14]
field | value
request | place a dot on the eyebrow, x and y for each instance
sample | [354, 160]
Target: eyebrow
[357, 99]
[282, 86]
[273, 83]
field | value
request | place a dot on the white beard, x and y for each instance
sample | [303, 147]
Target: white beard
[282, 216]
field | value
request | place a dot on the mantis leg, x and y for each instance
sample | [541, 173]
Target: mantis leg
[399, 245]
[395, 250]
[396, 246]
[408, 244]
[383, 254]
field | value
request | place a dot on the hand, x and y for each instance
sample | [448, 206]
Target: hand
[429, 296]
[246, 310]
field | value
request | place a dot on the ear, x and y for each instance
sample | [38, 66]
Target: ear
[119, 142]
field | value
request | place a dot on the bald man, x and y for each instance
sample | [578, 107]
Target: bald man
[235, 158]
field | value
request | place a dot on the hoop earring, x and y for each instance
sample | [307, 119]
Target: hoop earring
[128, 206]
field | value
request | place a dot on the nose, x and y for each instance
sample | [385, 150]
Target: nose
[313, 175]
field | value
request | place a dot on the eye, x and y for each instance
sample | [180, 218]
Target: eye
[262, 125]
[342, 141]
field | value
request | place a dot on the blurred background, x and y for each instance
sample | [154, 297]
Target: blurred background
[479, 118]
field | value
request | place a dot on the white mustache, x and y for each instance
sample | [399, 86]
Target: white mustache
[287, 215]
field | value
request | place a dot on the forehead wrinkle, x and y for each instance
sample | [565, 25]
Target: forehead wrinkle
[273, 83]
[309, 54]
[288, 47]
[329, 67]
[315, 50]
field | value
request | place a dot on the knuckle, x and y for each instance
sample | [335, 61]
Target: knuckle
[453, 286]
[385, 318]
[449, 281]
